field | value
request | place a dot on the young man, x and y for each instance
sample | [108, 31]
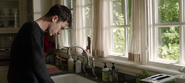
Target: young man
[27, 62]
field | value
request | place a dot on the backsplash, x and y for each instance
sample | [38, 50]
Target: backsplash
[123, 78]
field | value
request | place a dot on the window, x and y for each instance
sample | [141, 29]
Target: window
[167, 34]
[87, 6]
[120, 14]
[67, 33]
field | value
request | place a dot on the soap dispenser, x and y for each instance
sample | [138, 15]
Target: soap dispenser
[70, 63]
[78, 66]
[113, 76]
[105, 73]
[56, 59]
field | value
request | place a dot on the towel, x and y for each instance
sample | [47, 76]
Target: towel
[54, 70]
[50, 66]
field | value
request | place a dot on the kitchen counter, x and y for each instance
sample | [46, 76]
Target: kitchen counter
[122, 78]
[90, 77]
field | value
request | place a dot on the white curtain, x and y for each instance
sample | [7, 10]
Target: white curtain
[60, 40]
[101, 31]
[77, 31]
[137, 27]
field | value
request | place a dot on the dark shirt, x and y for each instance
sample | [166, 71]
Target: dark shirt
[27, 62]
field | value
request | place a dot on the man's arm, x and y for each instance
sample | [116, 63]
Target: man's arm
[35, 58]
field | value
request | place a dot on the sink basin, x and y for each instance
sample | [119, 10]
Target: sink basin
[71, 78]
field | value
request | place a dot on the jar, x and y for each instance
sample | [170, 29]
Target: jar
[14, 11]
[5, 11]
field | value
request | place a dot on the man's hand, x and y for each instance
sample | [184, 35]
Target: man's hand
[53, 81]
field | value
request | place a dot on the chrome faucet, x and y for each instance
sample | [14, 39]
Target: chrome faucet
[84, 67]
[84, 64]
[84, 53]
[93, 68]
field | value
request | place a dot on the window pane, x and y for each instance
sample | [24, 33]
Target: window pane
[183, 11]
[87, 33]
[129, 8]
[118, 40]
[168, 11]
[72, 13]
[71, 4]
[168, 43]
[87, 16]
[68, 38]
[86, 2]
[68, 3]
[117, 13]
[128, 35]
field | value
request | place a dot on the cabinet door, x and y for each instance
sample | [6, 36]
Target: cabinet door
[3, 74]
[13, 13]
[10, 14]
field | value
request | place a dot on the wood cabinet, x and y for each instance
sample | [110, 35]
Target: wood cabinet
[3, 74]
[13, 13]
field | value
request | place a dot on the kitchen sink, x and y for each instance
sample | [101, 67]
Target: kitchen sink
[71, 78]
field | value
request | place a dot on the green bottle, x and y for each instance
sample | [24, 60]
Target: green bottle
[105, 73]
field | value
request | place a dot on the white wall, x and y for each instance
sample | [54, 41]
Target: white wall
[40, 8]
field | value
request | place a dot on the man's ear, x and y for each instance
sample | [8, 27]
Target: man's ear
[55, 18]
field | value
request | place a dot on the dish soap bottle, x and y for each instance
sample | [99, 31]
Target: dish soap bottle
[47, 59]
[105, 73]
[113, 77]
[78, 66]
[56, 59]
[70, 63]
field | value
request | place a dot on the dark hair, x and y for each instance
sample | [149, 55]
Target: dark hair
[63, 13]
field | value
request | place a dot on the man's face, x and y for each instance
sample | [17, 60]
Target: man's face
[56, 27]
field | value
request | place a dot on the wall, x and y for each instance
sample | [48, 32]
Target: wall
[40, 8]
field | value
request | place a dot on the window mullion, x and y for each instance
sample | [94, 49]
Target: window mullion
[126, 41]
[181, 44]
[153, 31]
[181, 33]
[120, 26]
[110, 14]
[156, 11]
[155, 42]
[125, 6]
[167, 25]
[180, 11]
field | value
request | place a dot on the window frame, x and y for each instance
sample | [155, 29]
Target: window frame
[85, 28]
[153, 38]
[125, 27]
[67, 44]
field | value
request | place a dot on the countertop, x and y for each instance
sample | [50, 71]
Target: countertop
[91, 77]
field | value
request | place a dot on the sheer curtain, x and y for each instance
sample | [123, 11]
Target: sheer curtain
[137, 28]
[101, 36]
[101, 31]
[77, 31]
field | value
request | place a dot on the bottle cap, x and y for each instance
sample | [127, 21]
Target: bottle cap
[77, 58]
[105, 66]
[113, 67]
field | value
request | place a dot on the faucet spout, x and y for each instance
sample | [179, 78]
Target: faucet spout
[69, 49]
